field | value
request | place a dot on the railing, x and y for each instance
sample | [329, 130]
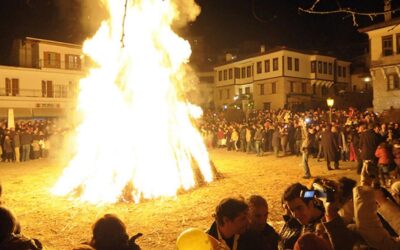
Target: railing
[36, 93]
[62, 65]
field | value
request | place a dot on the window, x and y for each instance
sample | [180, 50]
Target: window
[330, 68]
[15, 86]
[220, 94]
[220, 75]
[344, 71]
[339, 70]
[248, 69]
[267, 65]
[320, 67]
[289, 63]
[230, 73]
[325, 68]
[393, 82]
[247, 90]
[261, 89]
[398, 43]
[303, 87]
[243, 72]
[387, 45]
[314, 89]
[273, 88]
[240, 91]
[51, 60]
[225, 75]
[8, 86]
[296, 64]
[275, 65]
[313, 70]
[227, 94]
[12, 86]
[291, 87]
[259, 68]
[60, 91]
[237, 73]
[47, 89]
[72, 62]
[354, 88]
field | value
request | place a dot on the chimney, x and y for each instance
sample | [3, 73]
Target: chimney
[228, 57]
[387, 9]
[262, 48]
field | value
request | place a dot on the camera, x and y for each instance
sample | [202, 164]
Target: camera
[331, 191]
[320, 191]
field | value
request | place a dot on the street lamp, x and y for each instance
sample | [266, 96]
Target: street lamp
[330, 103]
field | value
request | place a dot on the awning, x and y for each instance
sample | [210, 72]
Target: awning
[322, 83]
[48, 112]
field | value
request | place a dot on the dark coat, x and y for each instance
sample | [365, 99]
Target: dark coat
[247, 241]
[368, 144]
[19, 242]
[330, 146]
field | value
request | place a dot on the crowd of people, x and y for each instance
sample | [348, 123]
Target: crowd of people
[343, 135]
[28, 139]
[339, 214]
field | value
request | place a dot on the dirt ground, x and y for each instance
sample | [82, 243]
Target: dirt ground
[60, 223]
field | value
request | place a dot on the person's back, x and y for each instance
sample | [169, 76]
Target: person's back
[109, 233]
[369, 141]
[11, 241]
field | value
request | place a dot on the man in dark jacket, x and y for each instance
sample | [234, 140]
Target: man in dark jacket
[331, 147]
[369, 141]
[231, 225]
[258, 211]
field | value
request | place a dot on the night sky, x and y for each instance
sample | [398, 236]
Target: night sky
[223, 23]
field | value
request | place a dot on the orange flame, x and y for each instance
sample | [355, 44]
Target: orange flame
[137, 128]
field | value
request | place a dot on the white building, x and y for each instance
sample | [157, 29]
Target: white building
[282, 77]
[384, 39]
[44, 80]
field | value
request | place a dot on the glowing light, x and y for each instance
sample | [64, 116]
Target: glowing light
[137, 137]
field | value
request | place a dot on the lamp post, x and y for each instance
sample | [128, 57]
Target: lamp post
[330, 103]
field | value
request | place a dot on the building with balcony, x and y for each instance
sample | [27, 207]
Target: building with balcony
[384, 41]
[282, 77]
[43, 80]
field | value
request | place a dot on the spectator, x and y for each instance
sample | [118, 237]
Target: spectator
[310, 212]
[11, 241]
[109, 233]
[231, 225]
[258, 215]
[311, 241]
[331, 147]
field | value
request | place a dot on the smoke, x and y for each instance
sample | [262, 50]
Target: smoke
[188, 12]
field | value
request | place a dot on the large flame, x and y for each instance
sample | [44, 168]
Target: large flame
[137, 130]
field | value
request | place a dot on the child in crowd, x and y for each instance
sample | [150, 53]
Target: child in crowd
[385, 162]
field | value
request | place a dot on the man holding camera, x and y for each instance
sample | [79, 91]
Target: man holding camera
[310, 212]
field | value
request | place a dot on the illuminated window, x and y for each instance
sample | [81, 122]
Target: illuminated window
[273, 88]
[72, 62]
[52, 60]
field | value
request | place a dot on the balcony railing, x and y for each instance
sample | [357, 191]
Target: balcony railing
[36, 93]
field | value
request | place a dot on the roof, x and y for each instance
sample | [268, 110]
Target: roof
[376, 26]
[276, 49]
[54, 42]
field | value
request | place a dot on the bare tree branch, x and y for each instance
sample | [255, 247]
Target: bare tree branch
[349, 11]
